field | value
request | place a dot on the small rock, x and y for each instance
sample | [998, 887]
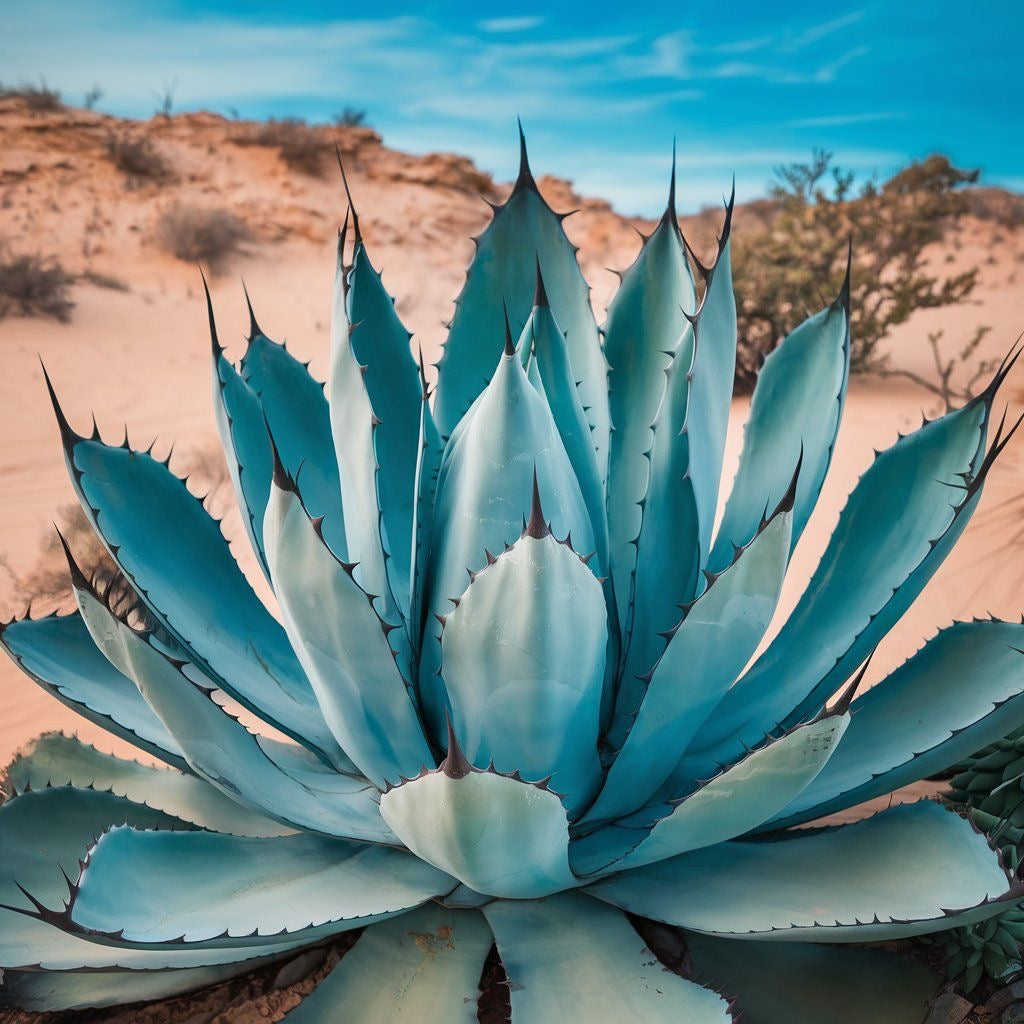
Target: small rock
[1009, 996]
[1013, 1014]
[949, 1008]
[301, 967]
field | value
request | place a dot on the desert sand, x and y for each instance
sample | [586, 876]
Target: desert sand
[141, 356]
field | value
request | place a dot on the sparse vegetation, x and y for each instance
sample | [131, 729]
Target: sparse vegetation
[197, 234]
[781, 269]
[92, 97]
[350, 117]
[139, 160]
[40, 98]
[301, 146]
[34, 285]
[101, 280]
[165, 99]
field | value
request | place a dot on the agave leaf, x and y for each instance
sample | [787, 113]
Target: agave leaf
[483, 496]
[704, 654]
[910, 870]
[424, 966]
[729, 805]
[243, 436]
[497, 834]
[42, 836]
[646, 327]
[380, 342]
[554, 367]
[232, 891]
[342, 643]
[59, 654]
[795, 413]
[778, 983]
[57, 760]
[219, 749]
[922, 718]
[354, 425]
[295, 410]
[523, 663]
[524, 232]
[571, 958]
[50, 991]
[902, 518]
[177, 560]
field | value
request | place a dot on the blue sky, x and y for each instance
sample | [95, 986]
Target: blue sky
[601, 87]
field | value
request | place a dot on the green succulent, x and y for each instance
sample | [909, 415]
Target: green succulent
[508, 696]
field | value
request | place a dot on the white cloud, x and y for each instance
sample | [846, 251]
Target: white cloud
[840, 120]
[515, 24]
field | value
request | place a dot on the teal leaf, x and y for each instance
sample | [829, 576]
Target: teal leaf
[523, 664]
[524, 231]
[796, 409]
[59, 654]
[910, 870]
[779, 983]
[221, 750]
[904, 515]
[704, 654]
[175, 557]
[646, 328]
[421, 968]
[483, 497]
[571, 958]
[226, 890]
[343, 644]
[922, 719]
[737, 800]
[497, 834]
[57, 760]
[295, 410]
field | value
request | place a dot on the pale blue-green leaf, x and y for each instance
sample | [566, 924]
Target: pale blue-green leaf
[523, 664]
[524, 232]
[571, 958]
[910, 870]
[178, 561]
[428, 465]
[495, 833]
[57, 760]
[49, 991]
[923, 718]
[811, 983]
[343, 645]
[794, 413]
[645, 327]
[47, 832]
[716, 637]
[421, 968]
[905, 513]
[295, 409]
[354, 425]
[551, 356]
[59, 654]
[729, 805]
[221, 750]
[172, 888]
[483, 497]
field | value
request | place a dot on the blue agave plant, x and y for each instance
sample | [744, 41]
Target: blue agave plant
[522, 755]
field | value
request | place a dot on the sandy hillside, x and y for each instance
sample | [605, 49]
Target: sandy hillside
[139, 353]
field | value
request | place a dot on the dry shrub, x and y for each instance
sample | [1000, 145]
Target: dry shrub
[198, 234]
[300, 146]
[139, 160]
[40, 98]
[34, 286]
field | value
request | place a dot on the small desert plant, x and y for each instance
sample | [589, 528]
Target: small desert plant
[34, 285]
[165, 99]
[40, 98]
[350, 117]
[92, 97]
[301, 146]
[802, 248]
[139, 160]
[533, 756]
[200, 234]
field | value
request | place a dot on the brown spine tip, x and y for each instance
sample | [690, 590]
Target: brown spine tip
[537, 527]
[68, 434]
[510, 348]
[842, 705]
[357, 236]
[525, 179]
[254, 327]
[540, 296]
[78, 579]
[455, 765]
